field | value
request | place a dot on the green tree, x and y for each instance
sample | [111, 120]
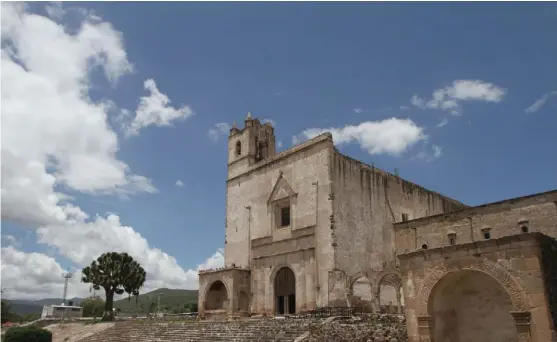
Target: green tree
[7, 314]
[93, 307]
[116, 273]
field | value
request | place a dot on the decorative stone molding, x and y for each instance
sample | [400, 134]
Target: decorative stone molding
[522, 322]
[425, 327]
[496, 271]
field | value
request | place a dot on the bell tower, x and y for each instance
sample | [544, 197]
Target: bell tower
[250, 145]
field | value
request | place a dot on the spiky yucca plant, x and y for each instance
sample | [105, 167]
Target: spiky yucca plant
[115, 273]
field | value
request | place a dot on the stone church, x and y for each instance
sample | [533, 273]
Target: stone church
[309, 228]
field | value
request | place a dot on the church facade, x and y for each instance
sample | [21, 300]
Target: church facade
[309, 227]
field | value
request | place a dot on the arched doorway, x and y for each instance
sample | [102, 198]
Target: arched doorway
[362, 294]
[390, 295]
[471, 306]
[285, 291]
[217, 296]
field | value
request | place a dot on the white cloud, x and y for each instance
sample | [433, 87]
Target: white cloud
[220, 129]
[279, 144]
[10, 238]
[46, 78]
[357, 110]
[443, 122]
[539, 103]
[55, 10]
[450, 98]
[37, 275]
[390, 136]
[179, 183]
[155, 109]
[437, 151]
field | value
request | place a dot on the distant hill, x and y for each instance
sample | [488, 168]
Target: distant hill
[170, 300]
[24, 307]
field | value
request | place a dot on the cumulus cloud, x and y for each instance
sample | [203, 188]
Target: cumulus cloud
[56, 138]
[450, 98]
[179, 183]
[539, 103]
[220, 129]
[37, 275]
[357, 110]
[390, 136]
[155, 109]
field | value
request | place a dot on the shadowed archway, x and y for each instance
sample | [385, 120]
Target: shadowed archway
[217, 296]
[285, 291]
[471, 306]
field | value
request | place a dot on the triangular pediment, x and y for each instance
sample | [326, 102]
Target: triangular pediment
[281, 190]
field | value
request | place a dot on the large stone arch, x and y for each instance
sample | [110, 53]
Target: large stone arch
[216, 296]
[471, 306]
[496, 271]
[390, 283]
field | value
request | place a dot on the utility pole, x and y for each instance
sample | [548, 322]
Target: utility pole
[66, 276]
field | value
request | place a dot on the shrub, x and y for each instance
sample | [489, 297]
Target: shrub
[27, 334]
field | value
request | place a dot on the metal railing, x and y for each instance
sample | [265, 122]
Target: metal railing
[329, 311]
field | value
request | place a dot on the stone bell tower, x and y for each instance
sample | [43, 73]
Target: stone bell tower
[250, 145]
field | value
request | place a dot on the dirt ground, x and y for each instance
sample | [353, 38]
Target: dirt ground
[73, 332]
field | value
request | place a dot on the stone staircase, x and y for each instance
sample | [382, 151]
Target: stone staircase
[263, 330]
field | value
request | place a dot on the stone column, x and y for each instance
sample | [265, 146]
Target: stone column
[522, 323]
[425, 328]
[310, 288]
[398, 302]
[301, 292]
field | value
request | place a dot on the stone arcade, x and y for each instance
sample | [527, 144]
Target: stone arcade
[310, 227]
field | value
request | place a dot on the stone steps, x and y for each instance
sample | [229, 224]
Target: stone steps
[263, 330]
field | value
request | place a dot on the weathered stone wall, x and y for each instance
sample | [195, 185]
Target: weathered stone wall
[512, 261]
[366, 202]
[537, 212]
[548, 247]
[304, 171]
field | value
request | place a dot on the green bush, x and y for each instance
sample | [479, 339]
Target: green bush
[27, 334]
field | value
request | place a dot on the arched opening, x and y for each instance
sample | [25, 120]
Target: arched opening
[471, 306]
[238, 148]
[285, 292]
[243, 301]
[362, 294]
[217, 296]
[390, 295]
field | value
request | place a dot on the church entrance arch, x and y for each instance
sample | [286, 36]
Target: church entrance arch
[217, 296]
[471, 306]
[285, 291]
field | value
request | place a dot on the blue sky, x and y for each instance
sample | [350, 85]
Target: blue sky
[306, 66]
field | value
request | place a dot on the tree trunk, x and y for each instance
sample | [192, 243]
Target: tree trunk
[108, 312]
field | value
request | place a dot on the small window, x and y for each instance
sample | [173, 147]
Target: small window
[524, 228]
[238, 148]
[404, 217]
[284, 217]
[452, 239]
[486, 233]
[424, 246]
